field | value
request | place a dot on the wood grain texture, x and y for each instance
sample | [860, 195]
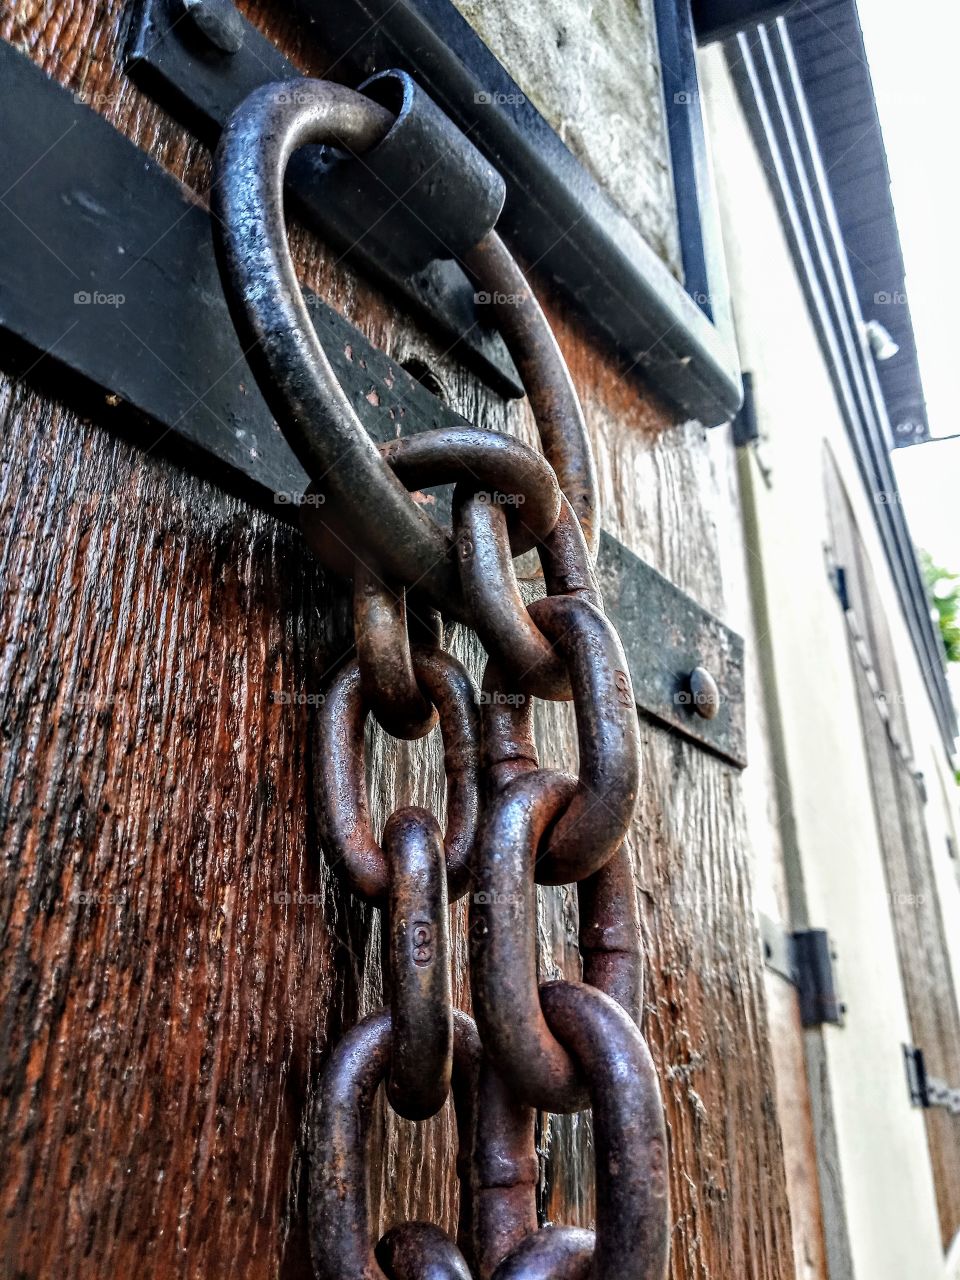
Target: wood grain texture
[921, 941]
[176, 960]
[796, 1124]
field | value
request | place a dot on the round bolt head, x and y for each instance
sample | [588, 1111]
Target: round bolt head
[704, 693]
[217, 21]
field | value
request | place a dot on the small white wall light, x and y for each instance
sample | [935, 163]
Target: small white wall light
[881, 343]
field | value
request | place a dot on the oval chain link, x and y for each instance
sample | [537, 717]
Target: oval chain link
[346, 831]
[510, 825]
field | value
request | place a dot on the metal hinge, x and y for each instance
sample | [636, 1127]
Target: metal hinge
[746, 431]
[202, 59]
[805, 958]
[928, 1091]
[746, 427]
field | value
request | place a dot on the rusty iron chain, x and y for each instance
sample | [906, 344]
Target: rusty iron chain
[510, 825]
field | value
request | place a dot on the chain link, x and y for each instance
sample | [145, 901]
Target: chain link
[384, 657]
[557, 1046]
[346, 831]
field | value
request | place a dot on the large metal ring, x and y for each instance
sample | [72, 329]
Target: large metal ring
[271, 318]
[287, 358]
[343, 813]
[545, 377]
[340, 1228]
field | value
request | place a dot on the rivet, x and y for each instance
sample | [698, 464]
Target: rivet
[704, 693]
[217, 21]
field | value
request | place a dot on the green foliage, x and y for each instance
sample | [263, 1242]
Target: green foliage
[943, 588]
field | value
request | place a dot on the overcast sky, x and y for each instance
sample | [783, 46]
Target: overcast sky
[912, 53]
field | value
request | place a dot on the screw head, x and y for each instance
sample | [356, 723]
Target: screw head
[704, 693]
[217, 21]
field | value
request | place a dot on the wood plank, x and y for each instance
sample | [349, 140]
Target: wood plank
[924, 961]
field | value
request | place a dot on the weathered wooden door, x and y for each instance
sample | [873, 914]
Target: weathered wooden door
[176, 958]
[899, 798]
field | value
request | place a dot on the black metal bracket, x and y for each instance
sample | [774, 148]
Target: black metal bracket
[176, 53]
[805, 958]
[925, 1090]
[746, 426]
[556, 215]
[107, 274]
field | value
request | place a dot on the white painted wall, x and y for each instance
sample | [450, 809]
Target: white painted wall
[884, 1165]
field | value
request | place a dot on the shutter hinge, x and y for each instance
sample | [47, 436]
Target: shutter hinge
[928, 1091]
[805, 957]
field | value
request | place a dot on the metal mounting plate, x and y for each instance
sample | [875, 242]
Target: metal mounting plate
[805, 958]
[204, 85]
[926, 1090]
[89, 215]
